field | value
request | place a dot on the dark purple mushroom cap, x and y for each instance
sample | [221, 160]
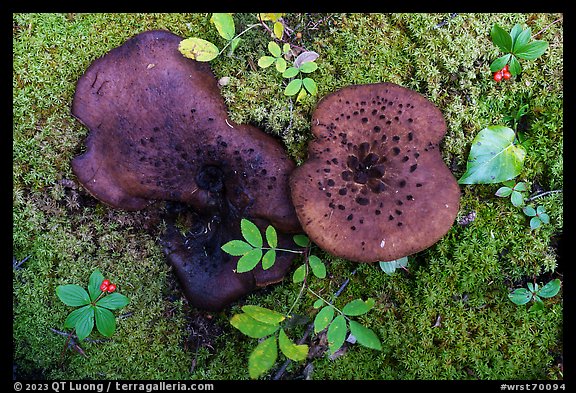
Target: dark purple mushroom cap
[374, 186]
[159, 131]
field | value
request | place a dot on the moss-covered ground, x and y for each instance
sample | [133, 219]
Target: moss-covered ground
[447, 317]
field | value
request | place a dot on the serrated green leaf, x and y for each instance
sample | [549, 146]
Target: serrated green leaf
[73, 318]
[236, 247]
[317, 266]
[493, 157]
[113, 301]
[251, 233]
[278, 29]
[501, 38]
[290, 72]
[252, 327]
[268, 259]
[94, 283]
[532, 50]
[529, 211]
[500, 62]
[520, 296]
[264, 315]
[356, 307]
[262, 357]
[299, 274]
[310, 86]
[293, 87]
[224, 24]
[323, 318]
[280, 64]
[249, 260]
[301, 240]
[517, 199]
[72, 295]
[198, 49]
[308, 67]
[85, 323]
[274, 49]
[296, 352]
[336, 333]
[551, 289]
[365, 336]
[504, 191]
[271, 236]
[515, 67]
[105, 321]
[535, 223]
[266, 61]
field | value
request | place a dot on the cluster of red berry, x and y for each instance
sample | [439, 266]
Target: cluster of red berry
[106, 286]
[504, 73]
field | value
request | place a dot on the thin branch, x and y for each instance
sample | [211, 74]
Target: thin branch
[546, 28]
[542, 194]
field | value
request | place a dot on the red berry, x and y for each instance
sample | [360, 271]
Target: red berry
[506, 68]
[507, 75]
[498, 76]
[106, 282]
[103, 287]
[111, 288]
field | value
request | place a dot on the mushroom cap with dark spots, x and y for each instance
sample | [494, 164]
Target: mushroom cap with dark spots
[375, 186]
[159, 131]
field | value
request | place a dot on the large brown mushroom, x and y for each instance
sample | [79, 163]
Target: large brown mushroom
[374, 186]
[159, 131]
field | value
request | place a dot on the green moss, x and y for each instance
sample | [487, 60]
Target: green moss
[447, 317]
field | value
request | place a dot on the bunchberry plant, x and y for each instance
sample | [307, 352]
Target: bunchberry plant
[522, 295]
[514, 191]
[95, 306]
[516, 45]
[539, 216]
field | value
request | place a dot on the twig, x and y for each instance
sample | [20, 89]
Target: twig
[542, 194]
[284, 366]
[546, 28]
[16, 265]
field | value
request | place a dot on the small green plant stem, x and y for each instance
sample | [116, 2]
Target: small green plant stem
[238, 35]
[283, 249]
[542, 194]
[546, 28]
[306, 253]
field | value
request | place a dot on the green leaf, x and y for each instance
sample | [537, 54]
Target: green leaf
[264, 315]
[356, 307]
[500, 62]
[521, 186]
[278, 30]
[501, 38]
[198, 49]
[266, 61]
[520, 296]
[290, 72]
[515, 32]
[291, 350]
[299, 274]
[532, 50]
[249, 260]
[280, 64]
[274, 49]
[336, 333]
[531, 287]
[271, 16]
[365, 336]
[224, 24]
[493, 157]
[271, 236]
[318, 303]
[305, 57]
[94, 283]
[113, 301]
[317, 266]
[323, 318]
[85, 323]
[286, 48]
[515, 67]
[521, 40]
[551, 289]
[537, 306]
[535, 223]
[301, 240]
[504, 191]
[390, 267]
[544, 218]
[308, 67]
[73, 318]
[517, 199]
[251, 233]
[293, 87]
[233, 45]
[310, 86]
[539, 210]
[263, 357]
[105, 321]
[236, 248]
[252, 327]
[73, 295]
[268, 259]
[529, 211]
